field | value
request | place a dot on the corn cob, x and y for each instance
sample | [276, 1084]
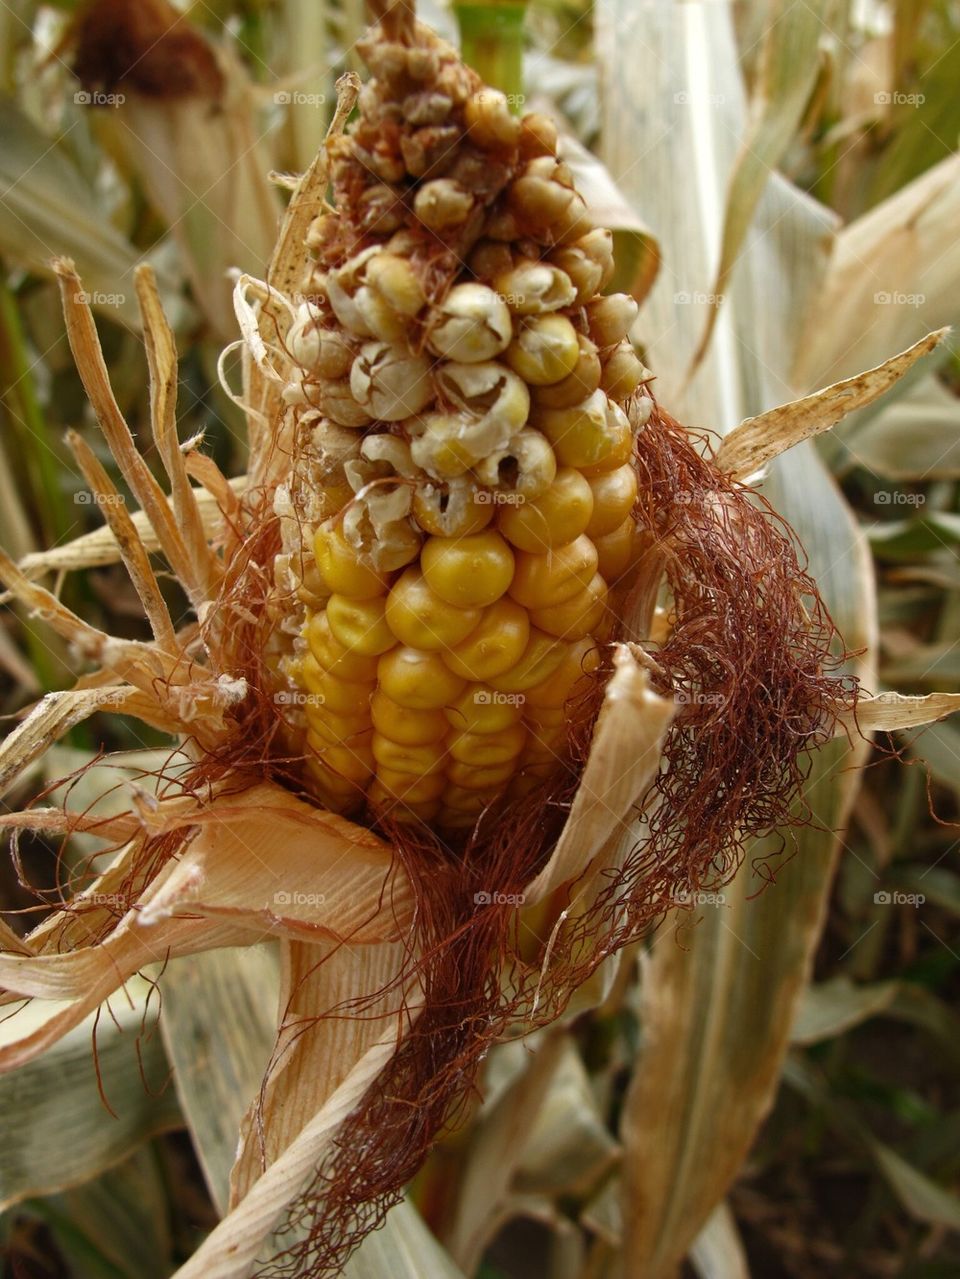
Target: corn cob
[464, 403]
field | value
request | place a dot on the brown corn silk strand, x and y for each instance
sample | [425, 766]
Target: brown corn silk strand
[754, 659]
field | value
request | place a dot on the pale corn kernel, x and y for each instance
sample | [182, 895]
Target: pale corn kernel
[401, 724]
[426, 758]
[487, 749]
[596, 246]
[332, 656]
[418, 680]
[610, 318]
[488, 390]
[542, 205]
[341, 569]
[472, 324]
[451, 510]
[576, 386]
[481, 709]
[442, 204]
[544, 350]
[489, 120]
[474, 778]
[540, 581]
[471, 571]
[623, 371]
[336, 399]
[421, 619]
[360, 625]
[539, 660]
[522, 470]
[535, 288]
[538, 135]
[588, 433]
[557, 516]
[389, 383]
[393, 277]
[617, 550]
[614, 494]
[439, 445]
[380, 317]
[584, 272]
[494, 646]
[576, 617]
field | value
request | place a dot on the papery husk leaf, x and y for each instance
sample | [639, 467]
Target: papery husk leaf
[859, 316]
[49, 720]
[884, 712]
[718, 1251]
[71, 1137]
[757, 440]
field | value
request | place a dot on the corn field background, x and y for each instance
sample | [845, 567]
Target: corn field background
[769, 1086]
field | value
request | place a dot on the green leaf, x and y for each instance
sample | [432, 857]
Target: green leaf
[905, 539]
[71, 1136]
[832, 1007]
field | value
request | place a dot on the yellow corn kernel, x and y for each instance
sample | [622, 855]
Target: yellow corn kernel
[452, 509]
[342, 697]
[418, 680]
[331, 655]
[556, 517]
[486, 749]
[410, 787]
[351, 764]
[360, 625]
[471, 572]
[420, 619]
[406, 726]
[545, 350]
[570, 678]
[494, 646]
[341, 569]
[610, 318]
[469, 777]
[338, 794]
[614, 493]
[462, 807]
[576, 386]
[576, 617]
[398, 810]
[621, 448]
[324, 728]
[623, 372]
[541, 657]
[438, 446]
[420, 760]
[617, 551]
[540, 581]
[585, 434]
[482, 709]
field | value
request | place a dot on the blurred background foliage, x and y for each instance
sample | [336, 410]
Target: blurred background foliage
[132, 130]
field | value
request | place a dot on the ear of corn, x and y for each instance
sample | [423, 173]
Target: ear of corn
[459, 553]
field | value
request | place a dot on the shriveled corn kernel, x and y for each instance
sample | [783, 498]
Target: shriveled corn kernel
[487, 749]
[523, 469]
[360, 625]
[622, 447]
[545, 208]
[494, 646]
[440, 445]
[471, 324]
[577, 616]
[614, 493]
[406, 726]
[588, 262]
[489, 259]
[623, 372]
[472, 777]
[341, 568]
[452, 509]
[421, 619]
[617, 550]
[557, 516]
[411, 787]
[569, 679]
[389, 383]
[481, 709]
[544, 350]
[336, 399]
[489, 120]
[541, 581]
[539, 660]
[418, 680]
[610, 318]
[420, 760]
[488, 390]
[588, 433]
[576, 386]
[471, 571]
[333, 656]
[535, 288]
[442, 204]
[538, 135]
[395, 279]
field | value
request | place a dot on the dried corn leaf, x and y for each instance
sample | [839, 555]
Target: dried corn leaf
[717, 1251]
[71, 1136]
[886, 711]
